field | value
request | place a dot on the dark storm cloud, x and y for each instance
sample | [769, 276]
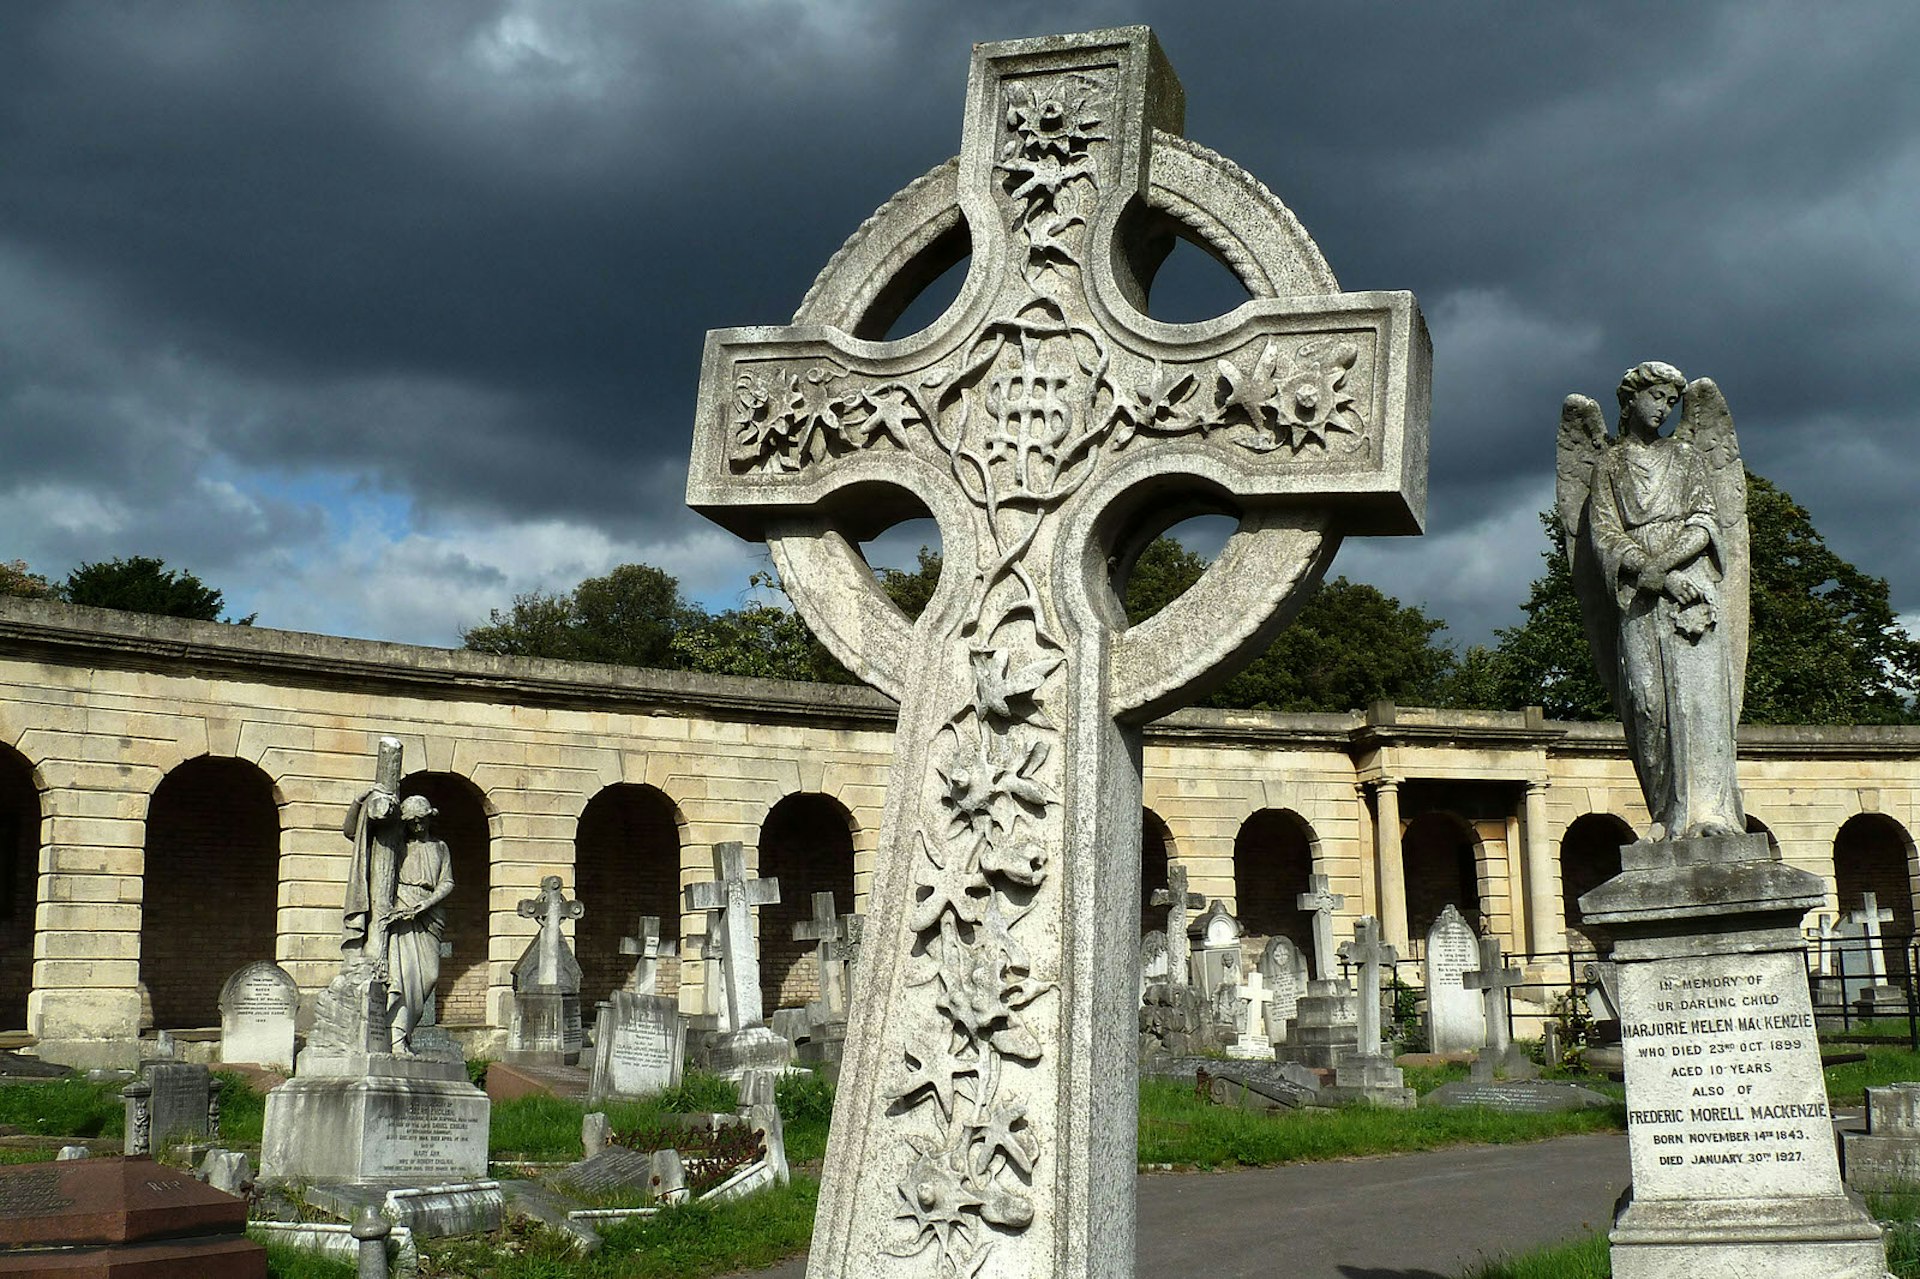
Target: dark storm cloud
[460, 258]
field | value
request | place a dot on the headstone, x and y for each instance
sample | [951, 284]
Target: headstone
[121, 1217]
[1035, 421]
[1493, 979]
[1254, 997]
[1259, 1089]
[639, 1047]
[257, 1007]
[1154, 960]
[1456, 1017]
[173, 1101]
[595, 1130]
[1886, 1157]
[1827, 940]
[1216, 962]
[1877, 998]
[1285, 972]
[709, 951]
[647, 949]
[367, 1104]
[228, 1171]
[1179, 903]
[1516, 1097]
[826, 931]
[607, 1171]
[732, 894]
[1369, 1073]
[546, 1029]
[1321, 901]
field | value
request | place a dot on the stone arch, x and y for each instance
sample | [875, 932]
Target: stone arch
[1273, 858]
[1156, 852]
[19, 881]
[1441, 858]
[1757, 827]
[626, 863]
[807, 844]
[212, 886]
[462, 825]
[1589, 857]
[1873, 853]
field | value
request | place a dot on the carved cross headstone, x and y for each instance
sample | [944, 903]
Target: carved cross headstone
[732, 894]
[549, 965]
[987, 1118]
[825, 930]
[1370, 953]
[1178, 902]
[709, 948]
[1869, 917]
[1494, 979]
[1253, 993]
[1322, 901]
[1824, 946]
[648, 950]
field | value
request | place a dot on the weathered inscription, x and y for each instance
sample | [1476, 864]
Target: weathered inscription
[32, 1194]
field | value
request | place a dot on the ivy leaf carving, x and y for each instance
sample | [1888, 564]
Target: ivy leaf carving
[995, 688]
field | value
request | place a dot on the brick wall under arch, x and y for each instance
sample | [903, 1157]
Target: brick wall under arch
[626, 860]
[1871, 854]
[1438, 851]
[460, 822]
[212, 887]
[1272, 862]
[807, 844]
[19, 884]
[1156, 850]
[1589, 857]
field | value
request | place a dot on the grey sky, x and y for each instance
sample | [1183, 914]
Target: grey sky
[373, 315]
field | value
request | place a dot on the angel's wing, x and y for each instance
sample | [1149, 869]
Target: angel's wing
[1582, 447]
[1707, 425]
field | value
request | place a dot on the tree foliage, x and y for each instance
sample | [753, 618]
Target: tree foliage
[18, 580]
[1825, 645]
[629, 617]
[143, 584]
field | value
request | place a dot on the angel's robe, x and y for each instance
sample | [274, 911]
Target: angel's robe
[1675, 676]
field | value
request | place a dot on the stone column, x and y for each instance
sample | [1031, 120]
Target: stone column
[1546, 922]
[1388, 864]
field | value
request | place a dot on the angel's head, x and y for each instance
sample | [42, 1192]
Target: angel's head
[1648, 392]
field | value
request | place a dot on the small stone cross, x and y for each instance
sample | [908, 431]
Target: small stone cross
[1178, 902]
[826, 930]
[731, 894]
[552, 909]
[648, 950]
[1870, 916]
[1039, 421]
[1494, 979]
[709, 949]
[1370, 953]
[1828, 940]
[1323, 902]
[1254, 993]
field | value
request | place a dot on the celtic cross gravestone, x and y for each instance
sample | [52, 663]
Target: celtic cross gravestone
[985, 1123]
[1179, 903]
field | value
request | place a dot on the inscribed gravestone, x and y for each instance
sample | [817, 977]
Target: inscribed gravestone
[1285, 971]
[257, 1007]
[639, 1046]
[1217, 961]
[546, 1028]
[1456, 1018]
[1179, 902]
[1037, 420]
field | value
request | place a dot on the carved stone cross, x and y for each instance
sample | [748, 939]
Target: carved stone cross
[732, 894]
[554, 966]
[1870, 916]
[1178, 902]
[648, 950]
[826, 930]
[1370, 953]
[986, 1125]
[1254, 994]
[1322, 901]
[1495, 979]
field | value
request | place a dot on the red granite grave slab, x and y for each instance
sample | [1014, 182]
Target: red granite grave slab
[222, 1257]
[505, 1082]
[110, 1201]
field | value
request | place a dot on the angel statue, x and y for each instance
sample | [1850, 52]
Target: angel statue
[1657, 540]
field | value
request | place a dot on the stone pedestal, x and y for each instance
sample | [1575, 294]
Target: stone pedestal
[1886, 1157]
[1371, 1078]
[1734, 1168]
[1326, 1026]
[1881, 1001]
[375, 1117]
[750, 1048]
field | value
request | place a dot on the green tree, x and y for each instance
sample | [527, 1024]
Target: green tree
[628, 618]
[538, 625]
[761, 640]
[142, 584]
[1825, 646]
[1163, 571]
[18, 580]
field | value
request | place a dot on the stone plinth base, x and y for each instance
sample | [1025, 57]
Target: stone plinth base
[1881, 1001]
[546, 1029]
[1371, 1078]
[1325, 1028]
[376, 1128]
[1887, 1155]
[752, 1048]
[1735, 1174]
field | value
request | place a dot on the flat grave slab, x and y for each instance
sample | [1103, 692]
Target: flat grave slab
[1518, 1097]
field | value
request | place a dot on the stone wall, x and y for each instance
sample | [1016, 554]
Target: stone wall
[620, 781]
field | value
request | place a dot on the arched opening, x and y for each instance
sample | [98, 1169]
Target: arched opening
[1156, 850]
[1871, 854]
[461, 824]
[1589, 857]
[626, 863]
[1438, 849]
[807, 844]
[212, 886]
[1757, 827]
[1272, 862]
[19, 880]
